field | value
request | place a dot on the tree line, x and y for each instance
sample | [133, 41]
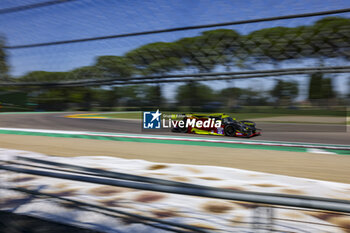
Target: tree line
[222, 49]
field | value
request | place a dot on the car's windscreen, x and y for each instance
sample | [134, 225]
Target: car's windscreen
[228, 119]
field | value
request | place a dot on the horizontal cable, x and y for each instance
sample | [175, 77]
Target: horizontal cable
[187, 77]
[293, 16]
[315, 69]
[47, 168]
[32, 6]
[220, 78]
[312, 69]
[263, 198]
[108, 174]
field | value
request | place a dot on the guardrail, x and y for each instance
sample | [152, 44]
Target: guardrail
[266, 206]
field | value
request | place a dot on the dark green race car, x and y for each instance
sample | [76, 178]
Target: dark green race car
[216, 124]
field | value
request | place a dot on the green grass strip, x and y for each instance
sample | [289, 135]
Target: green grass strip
[168, 141]
[339, 152]
[160, 141]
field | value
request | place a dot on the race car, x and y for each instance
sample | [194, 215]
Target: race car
[217, 124]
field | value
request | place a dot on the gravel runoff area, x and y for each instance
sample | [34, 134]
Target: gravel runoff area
[328, 167]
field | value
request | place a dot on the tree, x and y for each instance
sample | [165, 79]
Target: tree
[315, 87]
[206, 52]
[320, 87]
[114, 66]
[85, 72]
[4, 69]
[44, 76]
[327, 38]
[231, 95]
[51, 100]
[327, 89]
[221, 45]
[331, 37]
[58, 98]
[211, 48]
[108, 98]
[266, 45]
[194, 94]
[284, 90]
[154, 96]
[155, 58]
[253, 97]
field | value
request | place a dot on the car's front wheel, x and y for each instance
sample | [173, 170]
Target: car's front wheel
[230, 130]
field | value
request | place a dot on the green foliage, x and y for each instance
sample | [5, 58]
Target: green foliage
[115, 66]
[3, 61]
[13, 98]
[267, 44]
[320, 87]
[108, 98]
[326, 38]
[327, 88]
[43, 76]
[211, 48]
[194, 94]
[231, 92]
[285, 90]
[155, 58]
[85, 72]
[230, 96]
[315, 86]
[163, 66]
[153, 96]
[50, 100]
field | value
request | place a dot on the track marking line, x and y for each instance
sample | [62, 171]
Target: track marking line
[319, 151]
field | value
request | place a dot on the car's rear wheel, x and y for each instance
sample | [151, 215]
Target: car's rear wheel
[230, 131]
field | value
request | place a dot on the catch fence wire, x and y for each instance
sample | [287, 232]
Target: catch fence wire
[207, 52]
[216, 55]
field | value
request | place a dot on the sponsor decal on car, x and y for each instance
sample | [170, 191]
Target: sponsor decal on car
[220, 130]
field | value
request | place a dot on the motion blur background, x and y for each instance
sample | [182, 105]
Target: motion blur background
[84, 55]
[279, 61]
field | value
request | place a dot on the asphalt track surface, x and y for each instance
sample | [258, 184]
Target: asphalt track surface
[289, 132]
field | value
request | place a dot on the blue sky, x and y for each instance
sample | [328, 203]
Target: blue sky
[89, 18]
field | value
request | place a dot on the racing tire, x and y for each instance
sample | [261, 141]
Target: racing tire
[230, 130]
